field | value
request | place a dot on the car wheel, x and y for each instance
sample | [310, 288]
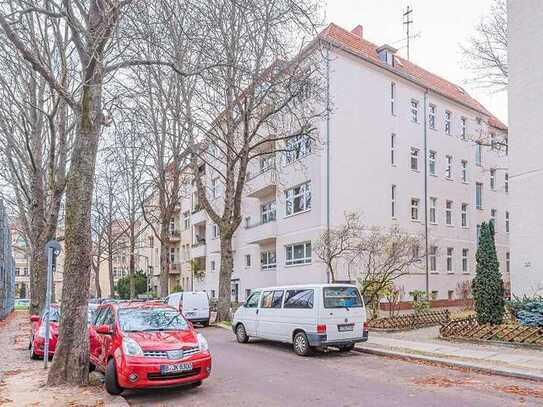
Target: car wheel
[196, 384]
[346, 348]
[112, 386]
[241, 334]
[301, 344]
[205, 323]
[33, 355]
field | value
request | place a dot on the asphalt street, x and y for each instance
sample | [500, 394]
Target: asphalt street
[268, 374]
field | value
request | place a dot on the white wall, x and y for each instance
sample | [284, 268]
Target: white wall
[525, 113]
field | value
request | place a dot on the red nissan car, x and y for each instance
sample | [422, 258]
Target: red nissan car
[37, 339]
[145, 345]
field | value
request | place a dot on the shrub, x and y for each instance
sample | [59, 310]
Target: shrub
[488, 291]
[420, 303]
[528, 311]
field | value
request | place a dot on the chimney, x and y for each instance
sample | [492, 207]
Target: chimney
[358, 31]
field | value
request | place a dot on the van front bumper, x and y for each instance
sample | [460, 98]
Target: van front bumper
[321, 340]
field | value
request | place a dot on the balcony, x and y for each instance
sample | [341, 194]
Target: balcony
[198, 217]
[261, 233]
[262, 184]
[174, 235]
[199, 249]
[175, 268]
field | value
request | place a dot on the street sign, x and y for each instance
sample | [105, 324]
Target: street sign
[52, 250]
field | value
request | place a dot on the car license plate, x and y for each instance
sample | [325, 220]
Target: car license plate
[182, 367]
[345, 328]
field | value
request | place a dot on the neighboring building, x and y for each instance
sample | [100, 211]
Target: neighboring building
[525, 112]
[7, 266]
[376, 168]
[21, 254]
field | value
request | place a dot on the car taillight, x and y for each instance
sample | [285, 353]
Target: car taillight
[321, 328]
[365, 327]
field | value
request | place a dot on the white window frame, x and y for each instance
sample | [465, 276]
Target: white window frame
[433, 210]
[478, 154]
[414, 161]
[464, 221]
[507, 222]
[414, 110]
[393, 199]
[186, 220]
[448, 168]
[247, 260]
[297, 148]
[479, 195]
[449, 212]
[393, 149]
[392, 98]
[415, 204]
[464, 171]
[448, 116]
[266, 258]
[303, 194]
[432, 258]
[268, 212]
[493, 179]
[289, 258]
[494, 218]
[432, 162]
[465, 260]
[463, 128]
[450, 253]
[432, 116]
[506, 182]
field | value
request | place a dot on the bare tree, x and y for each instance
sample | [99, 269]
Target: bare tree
[35, 132]
[384, 257]
[486, 51]
[262, 92]
[340, 243]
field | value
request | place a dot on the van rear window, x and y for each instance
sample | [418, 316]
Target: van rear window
[341, 297]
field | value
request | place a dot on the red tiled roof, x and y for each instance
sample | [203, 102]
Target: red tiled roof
[356, 44]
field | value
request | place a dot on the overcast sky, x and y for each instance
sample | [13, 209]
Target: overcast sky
[443, 26]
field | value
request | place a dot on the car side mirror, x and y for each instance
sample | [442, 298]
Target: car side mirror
[34, 318]
[104, 330]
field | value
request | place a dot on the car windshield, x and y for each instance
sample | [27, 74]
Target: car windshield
[151, 319]
[342, 297]
[90, 314]
[54, 314]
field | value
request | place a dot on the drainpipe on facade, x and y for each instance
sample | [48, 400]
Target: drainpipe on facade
[328, 154]
[426, 194]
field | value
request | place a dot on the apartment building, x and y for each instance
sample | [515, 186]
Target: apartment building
[525, 111]
[383, 110]
[21, 255]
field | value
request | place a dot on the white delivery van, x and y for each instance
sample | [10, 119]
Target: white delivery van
[194, 305]
[307, 316]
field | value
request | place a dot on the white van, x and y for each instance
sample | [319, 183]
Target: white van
[307, 316]
[194, 305]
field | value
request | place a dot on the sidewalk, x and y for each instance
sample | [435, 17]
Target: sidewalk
[22, 380]
[424, 344]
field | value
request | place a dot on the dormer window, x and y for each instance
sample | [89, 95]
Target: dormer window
[386, 54]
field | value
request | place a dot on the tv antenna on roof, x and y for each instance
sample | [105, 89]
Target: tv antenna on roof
[407, 21]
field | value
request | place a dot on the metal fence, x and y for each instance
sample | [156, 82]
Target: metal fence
[7, 266]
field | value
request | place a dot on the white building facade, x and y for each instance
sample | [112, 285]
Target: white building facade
[383, 109]
[525, 112]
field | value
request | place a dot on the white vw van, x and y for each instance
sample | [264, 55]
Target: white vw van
[308, 316]
[194, 305]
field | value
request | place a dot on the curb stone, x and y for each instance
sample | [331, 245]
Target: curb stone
[519, 374]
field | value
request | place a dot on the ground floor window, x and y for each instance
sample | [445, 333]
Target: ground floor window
[299, 253]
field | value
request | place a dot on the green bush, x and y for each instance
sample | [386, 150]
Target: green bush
[488, 291]
[527, 310]
[419, 303]
[123, 285]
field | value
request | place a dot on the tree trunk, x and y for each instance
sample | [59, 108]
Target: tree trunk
[97, 279]
[38, 277]
[225, 280]
[71, 362]
[110, 272]
[132, 265]
[164, 259]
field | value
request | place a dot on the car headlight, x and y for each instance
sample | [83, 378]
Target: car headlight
[131, 347]
[202, 343]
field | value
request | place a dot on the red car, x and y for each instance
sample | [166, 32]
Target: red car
[144, 345]
[37, 340]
